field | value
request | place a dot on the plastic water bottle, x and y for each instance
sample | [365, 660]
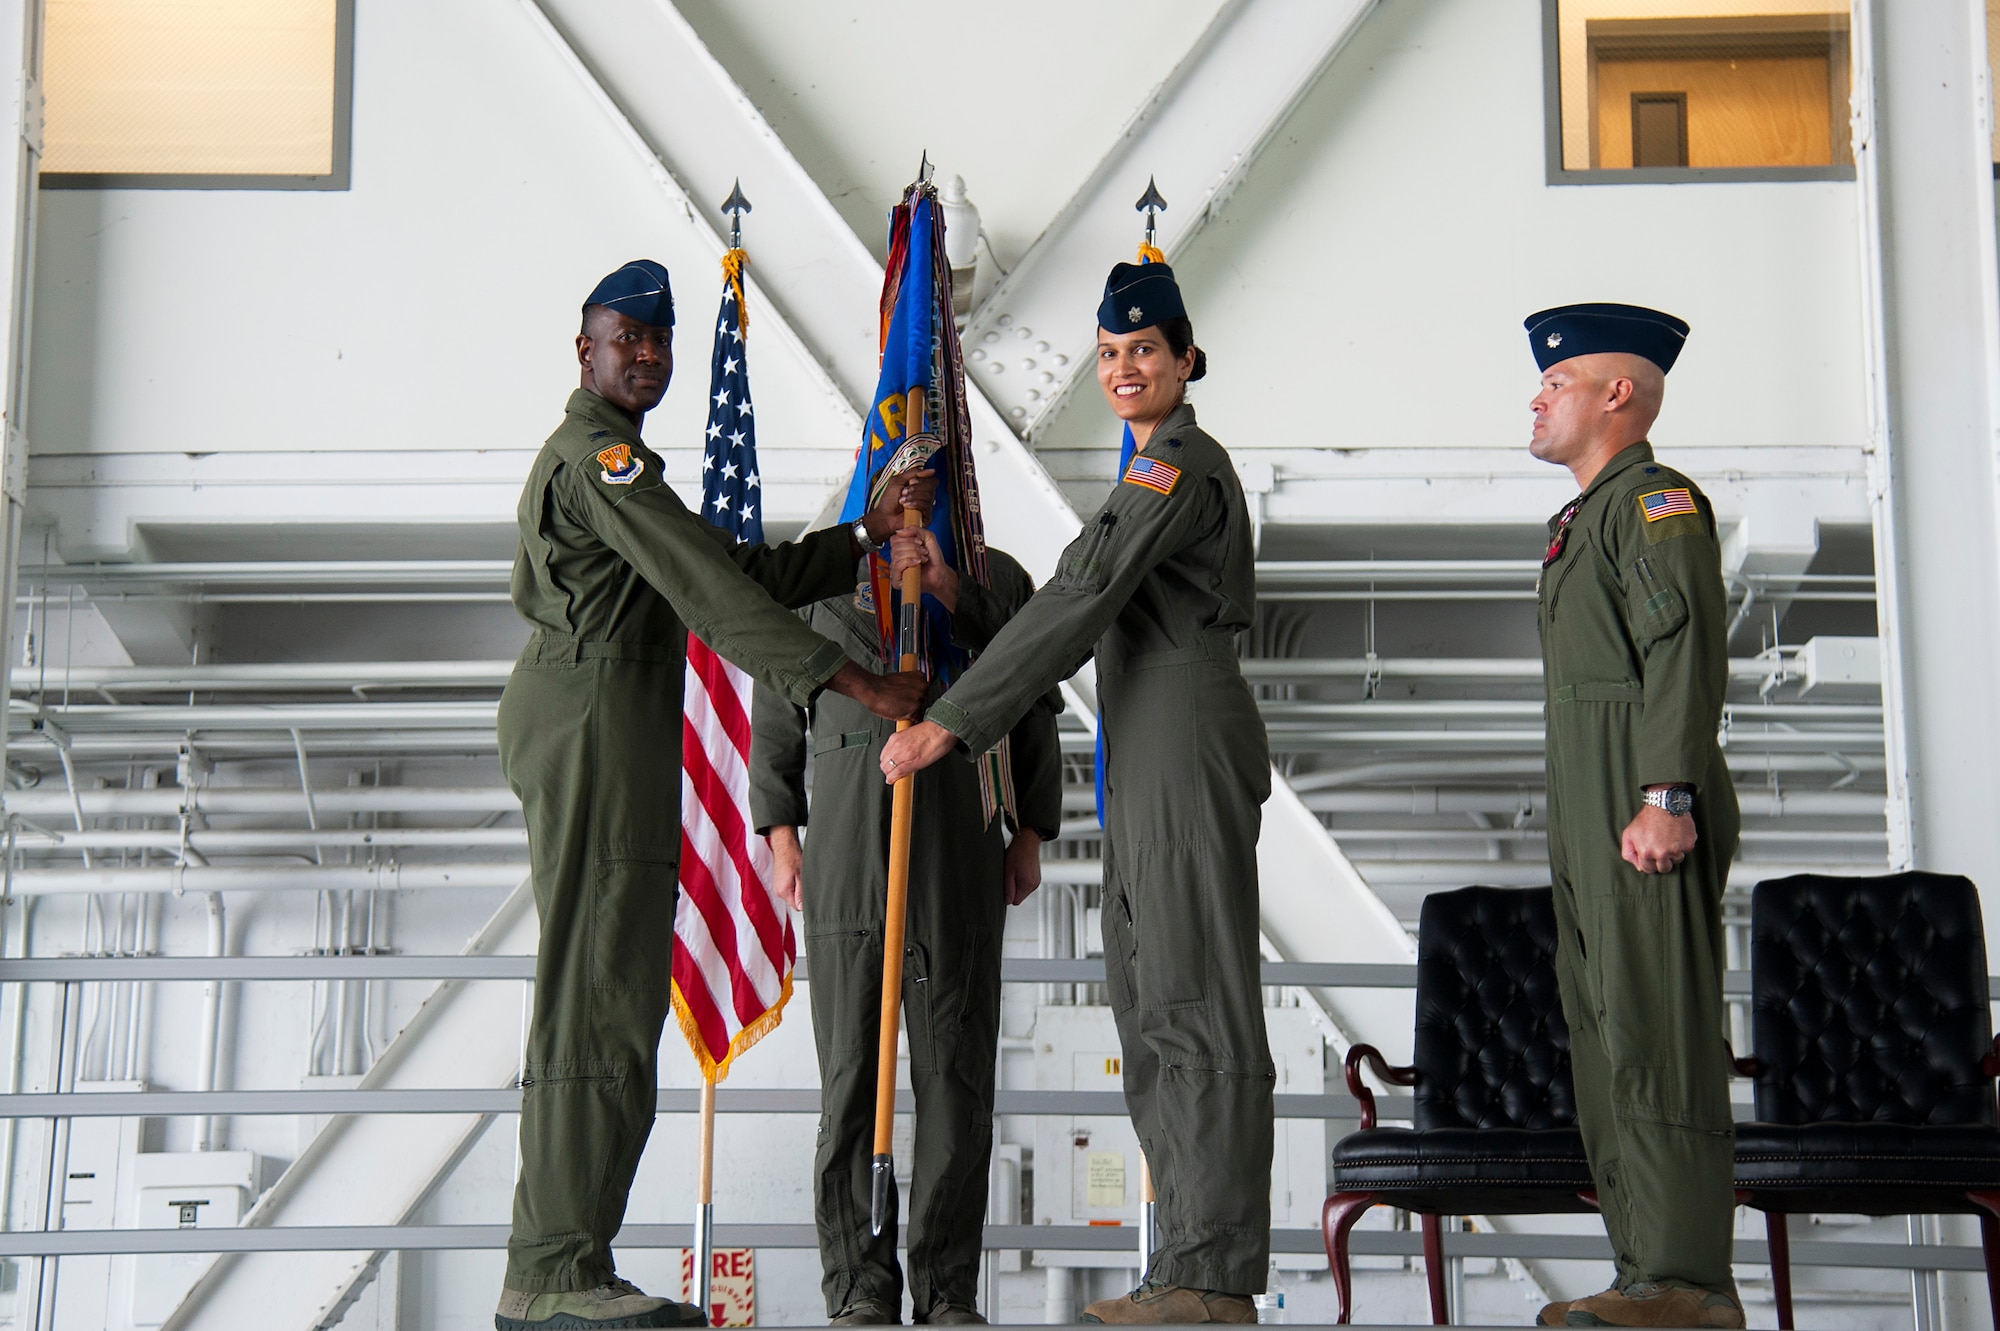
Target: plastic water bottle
[1270, 1307]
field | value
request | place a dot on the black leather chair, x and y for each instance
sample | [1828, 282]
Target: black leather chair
[1495, 1114]
[1875, 1058]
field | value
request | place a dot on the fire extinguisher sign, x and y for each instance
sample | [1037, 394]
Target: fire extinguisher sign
[732, 1285]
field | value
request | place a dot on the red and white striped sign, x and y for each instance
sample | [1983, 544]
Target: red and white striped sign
[733, 942]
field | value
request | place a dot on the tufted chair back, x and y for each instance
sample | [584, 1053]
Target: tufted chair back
[1870, 1000]
[1492, 1049]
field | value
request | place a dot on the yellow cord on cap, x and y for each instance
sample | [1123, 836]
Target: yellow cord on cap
[732, 268]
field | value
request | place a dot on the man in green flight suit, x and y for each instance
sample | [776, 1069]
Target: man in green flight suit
[961, 882]
[612, 574]
[1642, 817]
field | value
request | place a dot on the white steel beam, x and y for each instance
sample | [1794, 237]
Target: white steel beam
[1197, 136]
[20, 163]
[1923, 155]
[376, 1169]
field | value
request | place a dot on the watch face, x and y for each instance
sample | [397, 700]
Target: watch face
[1679, 802]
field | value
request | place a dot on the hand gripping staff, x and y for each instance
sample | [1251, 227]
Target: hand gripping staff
[882, 1170]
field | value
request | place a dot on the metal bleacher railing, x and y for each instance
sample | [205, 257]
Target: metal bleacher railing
[497, 1101]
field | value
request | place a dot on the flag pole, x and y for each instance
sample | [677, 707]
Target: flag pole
[1146, 1210]
[882, 1170]
[704, 1199]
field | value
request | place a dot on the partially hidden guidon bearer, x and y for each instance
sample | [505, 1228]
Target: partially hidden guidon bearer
[1156, 589]
[964, 874]
[612, 574]
[1642, 817]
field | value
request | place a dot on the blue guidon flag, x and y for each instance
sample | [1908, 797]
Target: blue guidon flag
[1666, 504]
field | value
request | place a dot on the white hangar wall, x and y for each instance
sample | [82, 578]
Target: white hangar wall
[1365, 286]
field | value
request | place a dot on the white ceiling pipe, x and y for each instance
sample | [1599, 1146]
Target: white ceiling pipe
[1445, 874]
[1747, 767]
[1302, 738]
[166, 801]
[1418, 801]
[1458, 572]
[143, 746]
[274, 878]
[1498, 709]
[83, 718]
[300, 675]
[1262, 670]
[285, 573]
[267, 839]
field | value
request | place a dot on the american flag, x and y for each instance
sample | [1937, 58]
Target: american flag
[1153, 474]
[733, 943]
[1666, 503]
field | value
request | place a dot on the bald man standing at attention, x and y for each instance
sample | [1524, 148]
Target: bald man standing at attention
[1642, 817]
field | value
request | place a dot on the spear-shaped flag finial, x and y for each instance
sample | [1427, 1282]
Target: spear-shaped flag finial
[1150, 203]
[736, 205]
[924, 169]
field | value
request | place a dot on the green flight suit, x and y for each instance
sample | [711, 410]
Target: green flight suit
[951, 963]
[1636, 659]
[1157, 588]
[613, 572]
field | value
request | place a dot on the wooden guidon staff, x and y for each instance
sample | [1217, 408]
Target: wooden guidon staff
[882, 1170]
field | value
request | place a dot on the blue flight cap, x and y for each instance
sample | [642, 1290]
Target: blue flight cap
[640, 290]
[1584, 330]
[1139, 295]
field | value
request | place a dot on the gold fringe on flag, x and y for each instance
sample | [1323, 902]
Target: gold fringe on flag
[733, 262]
[742, 1040]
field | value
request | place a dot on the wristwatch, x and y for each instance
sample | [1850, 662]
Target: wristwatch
[1676, 800]
[860, 533]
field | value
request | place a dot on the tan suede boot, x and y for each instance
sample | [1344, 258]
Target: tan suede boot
[1170, 1305]
[617, 1303]
[1552, 1314]
[1656, 1305]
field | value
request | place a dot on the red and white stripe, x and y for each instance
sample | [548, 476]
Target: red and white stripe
[734, 947]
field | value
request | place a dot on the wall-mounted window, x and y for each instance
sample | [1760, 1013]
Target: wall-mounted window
[1667, 90]
[196, 94]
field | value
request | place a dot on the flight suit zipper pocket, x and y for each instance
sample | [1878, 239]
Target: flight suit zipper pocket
[1658, 610]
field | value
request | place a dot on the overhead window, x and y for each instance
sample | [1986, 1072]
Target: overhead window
[196, 93]
[1698, 90]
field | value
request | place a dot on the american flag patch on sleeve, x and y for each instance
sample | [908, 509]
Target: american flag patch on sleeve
[1154, 475]
[1666, 504]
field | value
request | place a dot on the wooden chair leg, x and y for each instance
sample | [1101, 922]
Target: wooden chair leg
[1989, 1236]
[1778, 1232]
[1434, 1270]
[1336, 1220]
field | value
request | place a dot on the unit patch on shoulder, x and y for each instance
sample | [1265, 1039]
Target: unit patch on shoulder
[1153, 474]
[620, 467]
[1666, 504]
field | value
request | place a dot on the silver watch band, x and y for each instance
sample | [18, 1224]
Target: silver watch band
[860, 531]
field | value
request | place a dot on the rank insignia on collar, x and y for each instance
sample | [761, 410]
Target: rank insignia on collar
[620, 467]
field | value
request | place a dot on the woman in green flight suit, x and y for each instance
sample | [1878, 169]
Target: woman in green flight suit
[1156, 588]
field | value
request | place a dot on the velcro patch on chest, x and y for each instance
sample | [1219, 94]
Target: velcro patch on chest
[1666, 504]
[1153, 474]
[621, 467]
